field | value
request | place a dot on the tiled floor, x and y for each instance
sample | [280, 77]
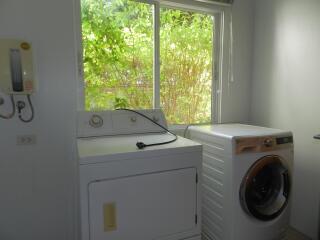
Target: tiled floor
[294, 235]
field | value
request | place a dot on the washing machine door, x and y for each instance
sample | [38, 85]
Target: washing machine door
[264, 191]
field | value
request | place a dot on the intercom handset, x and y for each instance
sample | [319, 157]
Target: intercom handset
[16, 74]
[16, 67]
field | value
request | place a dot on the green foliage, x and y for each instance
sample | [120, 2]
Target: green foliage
[120, 103]
[186, 70]
[118, 59]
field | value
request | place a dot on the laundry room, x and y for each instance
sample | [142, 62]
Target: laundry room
[159, 119]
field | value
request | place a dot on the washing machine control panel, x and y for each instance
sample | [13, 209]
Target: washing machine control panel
[284, 140]
[262, 144]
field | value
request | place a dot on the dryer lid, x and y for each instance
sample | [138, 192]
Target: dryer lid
[113, 148]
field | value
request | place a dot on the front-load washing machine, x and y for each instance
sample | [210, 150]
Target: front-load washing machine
[127, 193]
[246, 181]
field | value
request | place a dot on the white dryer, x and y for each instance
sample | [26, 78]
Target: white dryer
[128, 193]
[246, 181]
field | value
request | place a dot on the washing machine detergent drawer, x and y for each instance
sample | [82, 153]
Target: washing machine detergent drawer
[150, 206]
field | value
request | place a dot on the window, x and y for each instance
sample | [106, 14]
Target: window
[186, 66]
[141, 54]
[118, 54]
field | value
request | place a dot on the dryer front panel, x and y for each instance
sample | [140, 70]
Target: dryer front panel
[150, 206]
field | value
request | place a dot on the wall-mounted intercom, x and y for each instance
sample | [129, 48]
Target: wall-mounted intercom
[16, 74]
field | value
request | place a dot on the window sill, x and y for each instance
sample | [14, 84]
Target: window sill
[180, 129]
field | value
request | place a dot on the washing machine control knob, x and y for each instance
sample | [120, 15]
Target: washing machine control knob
[268, 142]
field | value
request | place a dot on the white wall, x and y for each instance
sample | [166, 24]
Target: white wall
[286, 84]
[35, 181]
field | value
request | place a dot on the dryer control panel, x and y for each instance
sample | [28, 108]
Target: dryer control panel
[118, 122]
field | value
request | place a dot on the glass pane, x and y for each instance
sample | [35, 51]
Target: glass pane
[118, 54]
[265, 188]
[186, 47]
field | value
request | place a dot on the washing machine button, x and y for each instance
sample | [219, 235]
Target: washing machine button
[268, 142]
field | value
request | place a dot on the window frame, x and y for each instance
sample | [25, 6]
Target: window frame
[221, 59]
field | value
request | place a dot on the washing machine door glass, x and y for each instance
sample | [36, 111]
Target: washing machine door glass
[264, 191]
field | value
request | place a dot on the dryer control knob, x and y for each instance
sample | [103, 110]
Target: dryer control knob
[96, 121]
[133, 119]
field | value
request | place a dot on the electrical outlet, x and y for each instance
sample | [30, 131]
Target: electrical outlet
[26, 139]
